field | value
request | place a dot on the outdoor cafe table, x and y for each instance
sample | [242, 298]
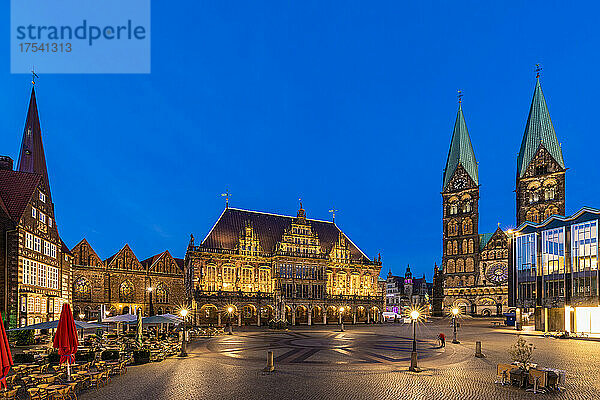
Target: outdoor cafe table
[41, 376]
[56, 387]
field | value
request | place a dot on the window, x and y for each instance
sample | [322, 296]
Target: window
[33, 212]
[126, 292]
[42, 275]
[50, 222]
[526, 255]
[82, 289]
[452, 228]
[460, 265]
[455, 247]
[46, 248]
[162, 293]
[533, 215]
[53, 250]
[584, 251]
[464, 246]
[467, 226]
[29, 240]
[53, 278]
[37, 244]
[42, 197]
[26, 272]
[450, 268]
[42, 217]
[471, 246]
[228, 277]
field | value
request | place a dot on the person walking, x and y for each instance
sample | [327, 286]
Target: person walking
[442, 339]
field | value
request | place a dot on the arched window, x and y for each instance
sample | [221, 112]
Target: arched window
[452, 228]
[467, 226]
[550, 211]
[550, 193]
[82, 289]
[126, 292]
[455, 247]
[533, 216]
[453, 206]
[471, 246]
[470, 265]
[449, 249]
[162, 293]
[450, 268]
[464, 246]
[460, 265]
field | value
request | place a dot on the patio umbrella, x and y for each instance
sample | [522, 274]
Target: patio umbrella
[65, 339]
[54, 325]
[5, 356]
[139, 329]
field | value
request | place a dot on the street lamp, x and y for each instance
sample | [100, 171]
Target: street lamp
[229, 313]
[342, 319]
[455, 312]
[414, 316]
[81, 316]
[183, 313]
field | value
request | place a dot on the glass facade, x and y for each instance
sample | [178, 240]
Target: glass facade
[526, 262]
[584, 251]
[553, 263]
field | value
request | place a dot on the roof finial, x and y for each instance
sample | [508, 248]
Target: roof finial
[300, 200]
[227, 195]
[538, 69]
[33, 75]
[333, 211]
[460, 95]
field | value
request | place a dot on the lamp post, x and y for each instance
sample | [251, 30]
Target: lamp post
[151, 309]
[229, 313]
[414, 316]
[183, 313]
[455, 312]
[342, 319]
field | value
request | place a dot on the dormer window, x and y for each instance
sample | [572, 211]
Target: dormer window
[42, 197]
[50, 222]
[33, 212]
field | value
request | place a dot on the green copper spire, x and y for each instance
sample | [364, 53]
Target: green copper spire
[538, 131]
[461, 151]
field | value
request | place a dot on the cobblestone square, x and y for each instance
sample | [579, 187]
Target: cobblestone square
[363, 362]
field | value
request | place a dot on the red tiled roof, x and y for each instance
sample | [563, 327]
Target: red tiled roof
[16, 189]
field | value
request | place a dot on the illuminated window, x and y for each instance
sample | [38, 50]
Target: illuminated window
[126, 292]
[42, 197]
[162, 293]
[584, 250]
[82, 289]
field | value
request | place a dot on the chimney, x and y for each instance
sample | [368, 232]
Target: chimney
[6, 163]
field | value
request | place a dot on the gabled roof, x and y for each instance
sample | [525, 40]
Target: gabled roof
[270, 228]
[16, 190]
[125, 248]
[461, 151]
[147, 263]
[538, 131]
[32, 157]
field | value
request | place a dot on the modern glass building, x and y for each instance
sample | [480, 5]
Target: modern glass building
[554, 273]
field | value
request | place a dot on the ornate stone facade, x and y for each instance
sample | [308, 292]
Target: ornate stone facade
[253, 267]
[123, 284]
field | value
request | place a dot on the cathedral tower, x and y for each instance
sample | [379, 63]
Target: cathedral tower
[540, 166]
[460, 198]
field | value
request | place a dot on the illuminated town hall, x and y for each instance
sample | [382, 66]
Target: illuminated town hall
[253, 267]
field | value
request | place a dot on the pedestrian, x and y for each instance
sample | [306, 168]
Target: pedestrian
[442, 339]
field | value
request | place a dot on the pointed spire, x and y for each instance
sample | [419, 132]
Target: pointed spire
[538, 131]
[31, 156]
[461, 150]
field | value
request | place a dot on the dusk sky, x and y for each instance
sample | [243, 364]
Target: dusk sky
[345, 105]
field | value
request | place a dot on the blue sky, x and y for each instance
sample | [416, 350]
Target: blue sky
[344, 104]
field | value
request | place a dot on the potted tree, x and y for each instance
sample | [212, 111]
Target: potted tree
[521, 354]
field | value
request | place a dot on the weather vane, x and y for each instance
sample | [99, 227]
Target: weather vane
[460, 95]
[33, 76]
[538, 69]
[227, 195]
[300, 200]
[333, 211]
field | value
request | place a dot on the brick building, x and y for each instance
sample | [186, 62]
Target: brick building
[35, 277]
[123, 284]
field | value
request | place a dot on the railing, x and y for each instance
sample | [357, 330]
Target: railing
[237, 293]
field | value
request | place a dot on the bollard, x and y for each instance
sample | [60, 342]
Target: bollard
[230, 331]
[413, 362]
[342, 330]
[270, 362]
[478, 352]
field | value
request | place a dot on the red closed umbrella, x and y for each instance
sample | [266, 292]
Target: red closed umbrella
[5, 356]
[65, 339]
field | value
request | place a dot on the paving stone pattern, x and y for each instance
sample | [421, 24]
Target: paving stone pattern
[364, 362]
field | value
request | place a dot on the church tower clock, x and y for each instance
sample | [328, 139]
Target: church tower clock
[460, 201]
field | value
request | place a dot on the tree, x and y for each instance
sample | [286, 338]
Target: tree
[521, 352]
